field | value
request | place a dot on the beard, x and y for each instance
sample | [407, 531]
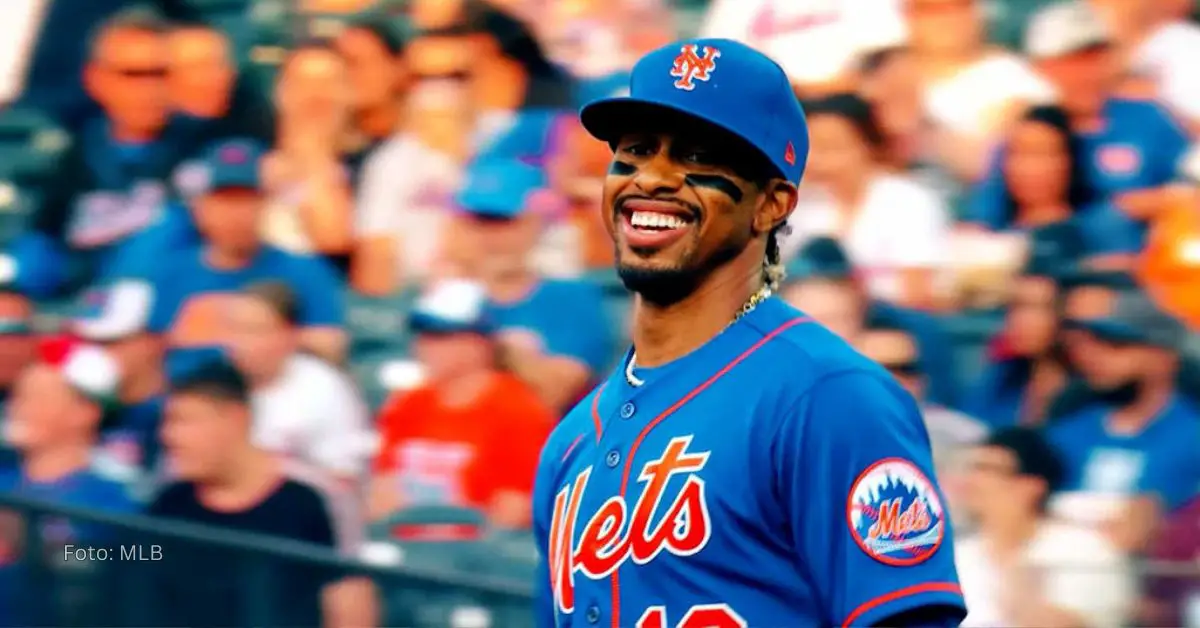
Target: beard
[668, 285]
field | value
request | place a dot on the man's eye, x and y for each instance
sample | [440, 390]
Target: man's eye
[638, 149]
[698, 157]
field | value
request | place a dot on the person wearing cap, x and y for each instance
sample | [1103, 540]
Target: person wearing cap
[776, 450]
[553, 331]
[192, 286]
[1135, 442]
[220, 478]
[58, 407]
[822, 282]
[115, 318]
[1130, 148]
[1022, 567]
[470, 434]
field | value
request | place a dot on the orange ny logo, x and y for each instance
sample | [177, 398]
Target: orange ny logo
[690, 66]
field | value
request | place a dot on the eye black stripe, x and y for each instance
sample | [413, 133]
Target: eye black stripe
[621, 168]
[716, 182]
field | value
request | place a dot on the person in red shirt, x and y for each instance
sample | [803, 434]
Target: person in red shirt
[471, 434]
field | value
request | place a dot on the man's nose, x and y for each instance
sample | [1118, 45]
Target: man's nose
[659, 175]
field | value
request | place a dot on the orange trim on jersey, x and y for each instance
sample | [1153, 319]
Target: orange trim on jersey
[571, 448]
[616, 587]
[596, 409]
[916, 589]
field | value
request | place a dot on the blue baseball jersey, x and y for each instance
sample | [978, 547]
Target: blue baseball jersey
[773, 477]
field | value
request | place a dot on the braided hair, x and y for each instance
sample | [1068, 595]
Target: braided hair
[774, 271]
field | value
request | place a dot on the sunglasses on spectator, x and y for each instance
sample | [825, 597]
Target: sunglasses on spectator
[905, 369]
[156, 72]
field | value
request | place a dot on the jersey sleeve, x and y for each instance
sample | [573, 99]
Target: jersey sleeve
[855, 475]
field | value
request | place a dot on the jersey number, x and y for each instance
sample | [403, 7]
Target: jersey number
[699, 616]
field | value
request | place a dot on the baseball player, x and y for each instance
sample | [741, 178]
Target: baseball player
[742, 466]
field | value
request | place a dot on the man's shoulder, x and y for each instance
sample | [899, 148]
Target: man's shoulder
[797, 349]
[573, 289]
[175, 497]
[1137, 110]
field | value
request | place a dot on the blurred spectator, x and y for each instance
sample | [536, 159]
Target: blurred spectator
[16, 341]
[57, 409]
[471, 435]
[207, 88]
[895, 349]
[309, 209]
[972, 92]
[1129, 149]
[814, 40]
[894, 229]
[226, 481]
[822, 283]
[193, 286]
[1026, 369]
[889, 80]
[1023, 568]
[1133, 448]
[553, 332]
[374, 55]
[112, 183]
[1159, 43]
[1169, 267]
[1045, 184]
[115, 317]
[401, 219]
[304, 407]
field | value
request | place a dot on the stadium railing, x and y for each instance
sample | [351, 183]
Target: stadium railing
[64, 590]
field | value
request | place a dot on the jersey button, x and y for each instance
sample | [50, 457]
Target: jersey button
[628, 410]
[612, 459]
[593, 614]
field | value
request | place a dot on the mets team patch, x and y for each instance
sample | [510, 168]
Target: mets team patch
[895, 514]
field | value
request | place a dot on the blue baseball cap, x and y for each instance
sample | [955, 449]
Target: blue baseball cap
[1135, 319]
[719, 81]
[500, 188]
[232, 163]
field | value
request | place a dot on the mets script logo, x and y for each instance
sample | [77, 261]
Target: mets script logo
[895, 513]
[690, 66]
[616, 533]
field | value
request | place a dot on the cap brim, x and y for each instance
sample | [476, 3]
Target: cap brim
[420, 322]
[1108, 330]
[607, 119]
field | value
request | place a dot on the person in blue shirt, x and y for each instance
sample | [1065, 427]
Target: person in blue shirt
[58, 407]
[1138, 439]
[114, 180]
[1044, 185]
[1127, 150]
[820, 281]
[115, 317]
[554, 333]
[192, 286]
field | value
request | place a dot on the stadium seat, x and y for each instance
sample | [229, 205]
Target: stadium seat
[30, 145]
[368, 369]
[378, 323]
[17, 204]
[514, 555]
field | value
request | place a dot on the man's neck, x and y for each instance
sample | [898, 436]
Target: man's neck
[1154, 397]
[511, 287]
[463, 391]
[379, 122]
[664, 333]
[1045, 214]
[1006, 539]
[55, 463]
[249, 476]
[138, 389]
[272, 375]
[1087, 121]
[503, 86]
[227, 259]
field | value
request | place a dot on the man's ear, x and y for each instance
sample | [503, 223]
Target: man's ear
[779, 199]
[93, 81]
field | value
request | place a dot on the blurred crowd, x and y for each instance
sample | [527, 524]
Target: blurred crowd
[331, 270]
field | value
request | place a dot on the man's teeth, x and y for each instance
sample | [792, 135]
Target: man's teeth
[652, 220]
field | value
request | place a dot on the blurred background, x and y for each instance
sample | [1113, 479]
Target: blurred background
[292, 291]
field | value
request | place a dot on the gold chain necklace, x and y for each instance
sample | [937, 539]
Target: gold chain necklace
[762, 294]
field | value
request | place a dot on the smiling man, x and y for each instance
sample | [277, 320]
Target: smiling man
[742, 466]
